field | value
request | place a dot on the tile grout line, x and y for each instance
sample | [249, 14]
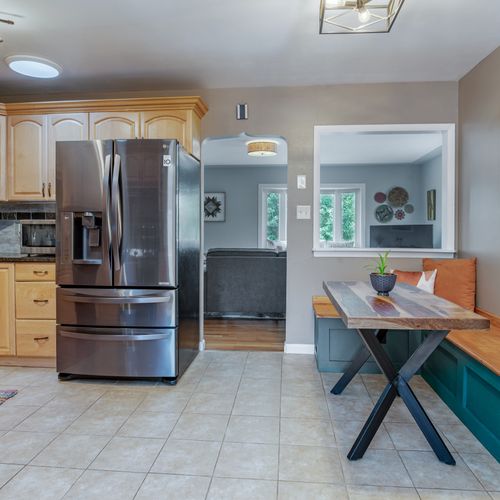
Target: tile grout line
[169, 434]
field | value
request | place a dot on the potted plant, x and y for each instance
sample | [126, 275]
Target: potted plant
[381, 279]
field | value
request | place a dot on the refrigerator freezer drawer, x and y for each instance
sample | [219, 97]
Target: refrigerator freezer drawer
[117, 352]
[117, 307]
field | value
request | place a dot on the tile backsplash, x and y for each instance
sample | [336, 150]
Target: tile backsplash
[24, 211]
[10, 237]
[10, 228]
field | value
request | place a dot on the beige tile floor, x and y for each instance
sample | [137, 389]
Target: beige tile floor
[237, 426]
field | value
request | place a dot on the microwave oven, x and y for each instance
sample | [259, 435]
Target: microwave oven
[38, 236]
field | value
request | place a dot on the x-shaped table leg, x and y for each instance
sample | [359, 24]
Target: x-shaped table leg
[398, 386]
[357, 363]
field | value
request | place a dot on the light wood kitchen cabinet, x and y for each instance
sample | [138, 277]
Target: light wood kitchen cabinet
[36, 338]
[35, 300]
[27, 157]
[114, 125]
[3, 158]
[7, 310]
[35, 271]
[164, 125]
[63, 127]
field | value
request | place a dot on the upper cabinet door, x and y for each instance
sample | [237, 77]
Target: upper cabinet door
[165, 125]
[118, 125]
[67, 127]
[3, 158]
[27, 157]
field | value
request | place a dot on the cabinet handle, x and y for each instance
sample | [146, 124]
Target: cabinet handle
[43, 189]
[40, 273]
[50, 189]
[38, 339]
[40, 301]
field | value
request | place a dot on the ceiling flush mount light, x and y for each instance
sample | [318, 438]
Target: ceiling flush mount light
[36, 67]
[262, 148]
[358, 16]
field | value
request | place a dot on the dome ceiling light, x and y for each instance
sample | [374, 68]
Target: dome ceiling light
[262, 148]
[35, 67]
[358, 16]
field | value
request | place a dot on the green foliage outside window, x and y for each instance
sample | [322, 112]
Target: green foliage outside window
[273, 216]
[348, 216]
[326, 217]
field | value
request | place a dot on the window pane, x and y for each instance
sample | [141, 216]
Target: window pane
[327, 217]
[273, 216]
[349, 216]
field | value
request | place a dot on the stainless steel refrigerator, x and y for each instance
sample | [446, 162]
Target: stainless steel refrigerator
[127, 258]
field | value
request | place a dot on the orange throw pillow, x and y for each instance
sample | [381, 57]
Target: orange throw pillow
[455, 280]
[423, 280]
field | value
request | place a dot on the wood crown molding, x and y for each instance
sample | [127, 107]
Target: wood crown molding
[194, 103]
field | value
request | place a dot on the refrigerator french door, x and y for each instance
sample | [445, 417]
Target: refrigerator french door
[127, 258]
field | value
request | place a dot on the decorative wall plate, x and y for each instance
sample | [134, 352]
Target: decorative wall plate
[384, 214]
[399, 214]
[215, 207]
[409, 208]
[380, 197]
[398, 197]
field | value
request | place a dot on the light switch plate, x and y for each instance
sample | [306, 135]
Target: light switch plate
[301, 182]
[303, 211]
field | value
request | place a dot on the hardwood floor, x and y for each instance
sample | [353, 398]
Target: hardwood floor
[245, 334]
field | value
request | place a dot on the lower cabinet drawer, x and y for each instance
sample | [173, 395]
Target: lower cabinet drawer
[35, 300]
[36, 338]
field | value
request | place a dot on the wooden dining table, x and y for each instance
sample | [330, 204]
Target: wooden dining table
[372, 316]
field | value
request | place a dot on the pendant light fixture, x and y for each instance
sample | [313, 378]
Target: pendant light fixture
[262, 148]
[358, 16]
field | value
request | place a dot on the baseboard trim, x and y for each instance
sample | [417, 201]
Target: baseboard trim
[299, 348]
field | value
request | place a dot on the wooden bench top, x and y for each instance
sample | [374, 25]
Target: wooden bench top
[483, 345]
[323, 308]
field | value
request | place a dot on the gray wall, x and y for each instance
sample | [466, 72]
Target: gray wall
[479, 176]
[380, 178]
[241, 185]
[292, 112]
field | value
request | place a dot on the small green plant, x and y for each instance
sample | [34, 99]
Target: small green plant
[381, 264]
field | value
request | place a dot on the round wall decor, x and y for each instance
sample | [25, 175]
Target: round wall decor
[380, 197]
[384, 214]
[399, 214]
[398, 197]
[409, 208]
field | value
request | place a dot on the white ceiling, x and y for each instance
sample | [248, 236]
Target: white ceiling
[232, 151]
[377, 148]
[188, 44]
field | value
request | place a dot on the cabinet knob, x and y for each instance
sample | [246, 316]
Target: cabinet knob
[40, 273]
[39, 339]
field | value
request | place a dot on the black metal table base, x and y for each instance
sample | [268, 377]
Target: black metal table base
[397, 386]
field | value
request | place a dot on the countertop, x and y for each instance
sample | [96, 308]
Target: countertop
[24, 257]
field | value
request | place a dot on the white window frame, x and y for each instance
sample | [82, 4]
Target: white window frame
[264, 190]
[360, 212]
[448, 208]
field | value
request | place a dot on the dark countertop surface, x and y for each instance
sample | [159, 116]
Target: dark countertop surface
[24, 257]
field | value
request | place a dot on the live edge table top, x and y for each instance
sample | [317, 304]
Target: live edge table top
[406, 308]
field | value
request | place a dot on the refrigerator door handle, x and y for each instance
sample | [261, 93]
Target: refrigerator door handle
[117, 300]
[116, 207]
[106, 198]
[111, 337]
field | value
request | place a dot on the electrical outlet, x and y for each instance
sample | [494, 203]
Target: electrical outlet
[301, 182]
[303, 211]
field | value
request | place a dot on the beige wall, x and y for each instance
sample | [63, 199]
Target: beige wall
[479, 172]
[292, 112]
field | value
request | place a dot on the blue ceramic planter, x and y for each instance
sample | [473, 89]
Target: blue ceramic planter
[383, 283]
